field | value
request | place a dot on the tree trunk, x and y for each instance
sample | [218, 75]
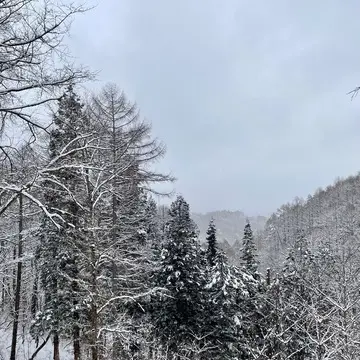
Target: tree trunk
[76, 314]
[56, 346]
[3, 280]
[18, 282]
[76, 333]
[40, 347]
[76, 328]
[268, 276]
[34, 295]
[94, 315]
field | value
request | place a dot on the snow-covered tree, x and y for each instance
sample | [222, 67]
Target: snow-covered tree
[288, 302]
[212, 248]
[32, 35]
[59, 249]
[224, 289]
[177, 313]
[249, 254]
[124, 214]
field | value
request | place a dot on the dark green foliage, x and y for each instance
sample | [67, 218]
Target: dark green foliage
[60, 246]
[248, 256]
[222, 292]
[212, 248]
[176, 313]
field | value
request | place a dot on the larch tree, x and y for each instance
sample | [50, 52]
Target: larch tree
[127, 152]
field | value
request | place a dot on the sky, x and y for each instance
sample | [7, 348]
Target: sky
[250, 97]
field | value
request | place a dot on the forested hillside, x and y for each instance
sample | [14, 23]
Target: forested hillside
[329, 217]
[320, 216]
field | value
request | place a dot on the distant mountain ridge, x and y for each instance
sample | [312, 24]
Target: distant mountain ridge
[229, 224]
[230, 229]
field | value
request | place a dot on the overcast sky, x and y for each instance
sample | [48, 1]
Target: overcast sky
[249, 96]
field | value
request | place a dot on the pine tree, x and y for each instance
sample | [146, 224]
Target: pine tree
[222, 289]
[248, 256]
[59, 248]
[177, 314]
[154, 233]
[212, 248]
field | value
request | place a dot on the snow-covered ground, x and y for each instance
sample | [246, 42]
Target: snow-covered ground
[26, 347]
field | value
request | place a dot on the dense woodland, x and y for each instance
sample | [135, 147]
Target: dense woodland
[91, 267]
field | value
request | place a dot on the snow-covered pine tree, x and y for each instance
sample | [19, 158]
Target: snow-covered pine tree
[153, 228]
[248, 256]
[212, 248]
[59, 249]
[220, 328]
[177, 315]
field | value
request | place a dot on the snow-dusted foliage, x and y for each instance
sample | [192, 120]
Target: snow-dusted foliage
[249, 252]
[212, 246]
[228, 290]
[177, 311]
[96, 226]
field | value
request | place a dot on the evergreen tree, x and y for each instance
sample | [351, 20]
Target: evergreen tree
[222, 293]
[153, 229]
[59, 248]
[248, 256]
[177, 314]
[212, 249]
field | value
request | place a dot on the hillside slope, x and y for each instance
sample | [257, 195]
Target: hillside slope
[327, 217]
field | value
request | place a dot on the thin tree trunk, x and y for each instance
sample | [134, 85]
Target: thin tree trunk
[18, 282]
[94, 315]
[3, 280]
[14, 272]
[76, 314]
[56, 346]
[76, 332]
[268, 276]
[32, 357]
[76, 317]
[56, 338]
[114, 158]
[34, 295]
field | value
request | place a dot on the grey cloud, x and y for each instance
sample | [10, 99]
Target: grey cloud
[250, 97]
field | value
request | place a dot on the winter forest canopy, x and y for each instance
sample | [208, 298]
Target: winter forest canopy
[92, 268]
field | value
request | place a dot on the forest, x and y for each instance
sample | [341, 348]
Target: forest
[92, 268]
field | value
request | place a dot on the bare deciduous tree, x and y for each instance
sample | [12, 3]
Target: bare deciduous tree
[34, 63]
